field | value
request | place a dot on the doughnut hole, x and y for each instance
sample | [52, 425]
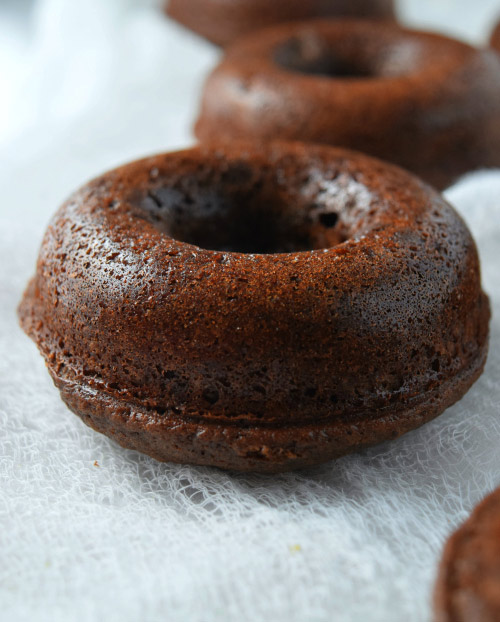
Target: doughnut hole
[250, 210]
[311, 53]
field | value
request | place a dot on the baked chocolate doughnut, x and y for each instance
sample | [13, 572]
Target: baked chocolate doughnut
[422, 101]
[257, 309]
[468, 586]
[223, 21]
[495, 38]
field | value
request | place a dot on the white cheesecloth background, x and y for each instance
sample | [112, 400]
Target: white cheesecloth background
[90, 531]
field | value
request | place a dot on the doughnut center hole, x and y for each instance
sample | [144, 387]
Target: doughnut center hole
[243, 210]
[362, 55]
[311, 55]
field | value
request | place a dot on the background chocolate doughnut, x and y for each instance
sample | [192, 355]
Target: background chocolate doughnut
[423, 101]
[468, 586]
[223, 21]
[495, 38]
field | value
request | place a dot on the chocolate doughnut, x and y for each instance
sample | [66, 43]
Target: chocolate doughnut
[495, 38]
[425, 102]
[468, 586]
[223, 21]
[257, 309]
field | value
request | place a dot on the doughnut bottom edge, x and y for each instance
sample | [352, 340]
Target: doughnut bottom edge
[172, 438]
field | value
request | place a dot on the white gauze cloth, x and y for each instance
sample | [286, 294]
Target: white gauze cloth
[90, 531]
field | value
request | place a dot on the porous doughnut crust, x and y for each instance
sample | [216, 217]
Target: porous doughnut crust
[223, 22]
[425, 102]
[257, 309]
[468, 586]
